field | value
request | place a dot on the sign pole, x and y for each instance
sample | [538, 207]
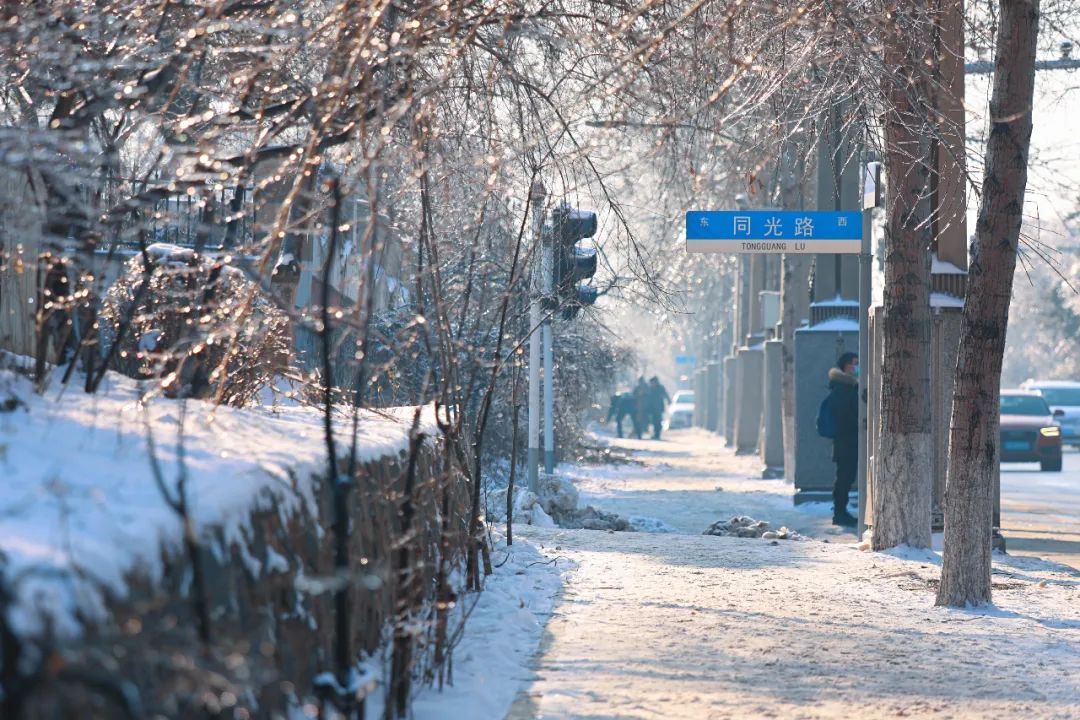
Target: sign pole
[871, 198]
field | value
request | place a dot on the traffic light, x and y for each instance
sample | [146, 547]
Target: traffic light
[574, 263]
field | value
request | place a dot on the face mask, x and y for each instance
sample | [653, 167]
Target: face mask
[855, 372]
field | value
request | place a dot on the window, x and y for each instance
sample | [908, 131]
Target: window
[1023, 405]
[1060, 396]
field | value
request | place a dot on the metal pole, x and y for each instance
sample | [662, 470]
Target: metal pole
[866, 256]
[536, 200]
[548, 269]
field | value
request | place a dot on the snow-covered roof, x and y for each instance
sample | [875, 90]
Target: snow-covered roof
[836, 324]
[944, 300]
[940, 267]
[835, 302]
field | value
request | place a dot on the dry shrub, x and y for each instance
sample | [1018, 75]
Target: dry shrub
[196, 323]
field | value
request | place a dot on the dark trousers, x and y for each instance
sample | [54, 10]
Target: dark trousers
[847, 467]
[656, 418]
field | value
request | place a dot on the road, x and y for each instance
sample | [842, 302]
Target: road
[1040, 512]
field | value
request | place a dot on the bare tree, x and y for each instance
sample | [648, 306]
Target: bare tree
[973, 438]
[903, 483]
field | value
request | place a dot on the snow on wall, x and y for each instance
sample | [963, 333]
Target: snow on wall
[80, 511]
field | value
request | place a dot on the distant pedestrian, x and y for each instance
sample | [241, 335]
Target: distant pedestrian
[843, 405]
[657, 399]
[641, 406]
[622, 406]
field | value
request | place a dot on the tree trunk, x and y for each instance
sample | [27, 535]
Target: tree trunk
[903, 480]
[973, 439]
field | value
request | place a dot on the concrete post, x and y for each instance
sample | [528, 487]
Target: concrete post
[748, 401]
[729, 400]
[816, 350]
[700, 409]
[772, 443]
[712, 394]
[757, 285]
[742, 303]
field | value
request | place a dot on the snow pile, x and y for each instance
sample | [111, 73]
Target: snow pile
[747, 527]
[505, 624]
[557, 505]
[80, 511]
[650, 525]
[559, 497]
[528, 507]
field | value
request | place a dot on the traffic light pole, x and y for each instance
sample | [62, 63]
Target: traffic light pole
[536, 200]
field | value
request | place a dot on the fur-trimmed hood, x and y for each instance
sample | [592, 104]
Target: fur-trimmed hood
[838, 376]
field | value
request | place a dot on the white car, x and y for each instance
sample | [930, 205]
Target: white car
[1063, 397]
[681, 411]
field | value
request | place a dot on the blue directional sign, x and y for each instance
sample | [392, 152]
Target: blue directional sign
[773, 231]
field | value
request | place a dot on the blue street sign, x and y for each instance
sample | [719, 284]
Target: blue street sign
[773, 231]
[685, 360]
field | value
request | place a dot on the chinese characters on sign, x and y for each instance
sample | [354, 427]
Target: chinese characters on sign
[773, 231]
[774, 226]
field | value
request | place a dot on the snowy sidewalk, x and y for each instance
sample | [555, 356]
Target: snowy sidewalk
[692, 626]
[689, 480]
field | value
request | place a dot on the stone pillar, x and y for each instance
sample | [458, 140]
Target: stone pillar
[712, 395]
[949, 187]
[839, 187]
[757, 285]
[816, 350]
[699, 395]
[772, 441]
[729, 400]
[749, 386]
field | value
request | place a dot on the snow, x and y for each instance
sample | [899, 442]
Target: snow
[649, 525]
[80, 511]
[836, 324]
[944, 300]
[940, 267]
[836, 302]
[505, 624]
[693, 626]
[677, 481]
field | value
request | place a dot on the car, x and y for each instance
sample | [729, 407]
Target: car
[1029, 432]
[681, 411]
[1064, 396]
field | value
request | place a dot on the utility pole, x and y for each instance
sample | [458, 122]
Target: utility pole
[547, 270]
[537, 194]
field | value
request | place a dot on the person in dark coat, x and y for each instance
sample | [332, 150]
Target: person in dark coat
[622, 406]
[844, 402]
[641, 406]
[657, 399]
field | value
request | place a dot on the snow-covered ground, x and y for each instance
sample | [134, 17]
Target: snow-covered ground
[80, 510]
[680, 484]
[505, 623]
[682, 625]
